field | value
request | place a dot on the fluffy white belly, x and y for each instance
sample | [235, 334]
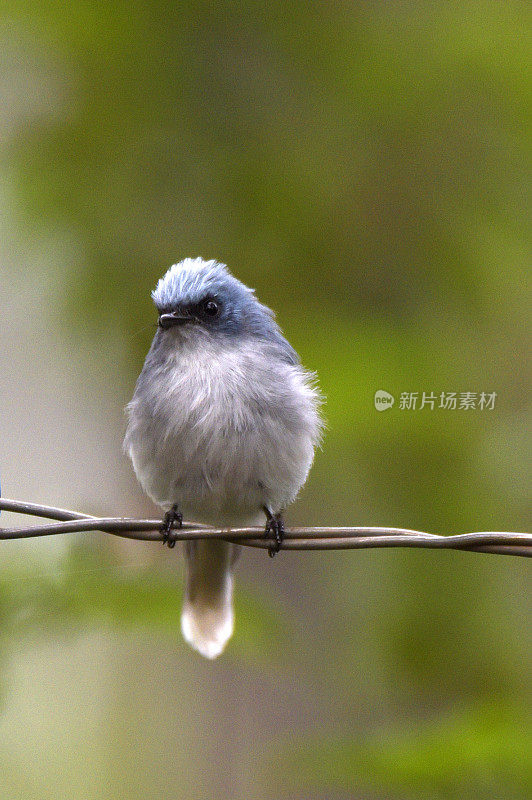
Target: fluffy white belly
[222, 435]
[220, 476]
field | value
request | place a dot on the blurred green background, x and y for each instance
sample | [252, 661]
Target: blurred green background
[364, 166]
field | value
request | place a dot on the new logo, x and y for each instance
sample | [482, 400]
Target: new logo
[383, 400]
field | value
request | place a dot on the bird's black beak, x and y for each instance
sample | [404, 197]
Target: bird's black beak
[168, 320]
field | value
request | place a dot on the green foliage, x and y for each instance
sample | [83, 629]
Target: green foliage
[90, 589]
[481, 752]
[362, 166]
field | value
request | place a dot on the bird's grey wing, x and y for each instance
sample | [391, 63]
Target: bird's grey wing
[283, 350]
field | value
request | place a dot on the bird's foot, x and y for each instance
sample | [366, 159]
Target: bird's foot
[174, 515]
[274, 529]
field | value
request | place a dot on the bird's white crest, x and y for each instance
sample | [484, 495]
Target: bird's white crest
[192, 278]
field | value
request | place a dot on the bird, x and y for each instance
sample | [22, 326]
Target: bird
[222, 429]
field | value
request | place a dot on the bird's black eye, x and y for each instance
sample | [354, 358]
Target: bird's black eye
[210, 308]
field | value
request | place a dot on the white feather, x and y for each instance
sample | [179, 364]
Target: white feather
[205, 432]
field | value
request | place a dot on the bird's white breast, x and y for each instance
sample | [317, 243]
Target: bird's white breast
[222, 430]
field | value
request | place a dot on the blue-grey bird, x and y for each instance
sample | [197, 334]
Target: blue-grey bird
[222, 428]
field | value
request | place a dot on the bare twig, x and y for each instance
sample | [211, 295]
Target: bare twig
[515, 544]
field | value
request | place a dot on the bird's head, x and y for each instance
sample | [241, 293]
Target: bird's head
[198, 295]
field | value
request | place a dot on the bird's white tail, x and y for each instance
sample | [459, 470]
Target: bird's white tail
[207, 617]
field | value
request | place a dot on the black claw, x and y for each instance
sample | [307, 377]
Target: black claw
[174, 515]
[274, 529]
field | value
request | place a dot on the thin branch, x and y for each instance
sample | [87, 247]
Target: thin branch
[515, 544]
